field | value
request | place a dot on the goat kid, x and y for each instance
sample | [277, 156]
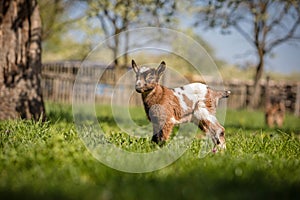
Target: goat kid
[165, 107]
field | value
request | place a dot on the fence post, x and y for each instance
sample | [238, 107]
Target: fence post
[297, 102]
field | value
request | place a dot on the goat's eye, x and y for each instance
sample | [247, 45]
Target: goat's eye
[146, 76]
[149, 76]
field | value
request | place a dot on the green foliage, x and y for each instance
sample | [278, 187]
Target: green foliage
[52, 14]
[48, 161]
[66, 34]
[116, 17]
[258, 22]
[72, 28]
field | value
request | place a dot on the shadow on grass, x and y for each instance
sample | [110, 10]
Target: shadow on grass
[59, 112]
[193, 185]
[31, 195]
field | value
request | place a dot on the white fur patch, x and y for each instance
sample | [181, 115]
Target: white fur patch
[178, 94]
[202, 113]
[195, 92]
[144, 69]
[174, 121]
[138, 82]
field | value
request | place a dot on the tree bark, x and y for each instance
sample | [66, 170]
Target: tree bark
[116, 51]
[254, 102]
[20, 60]
[126, 48]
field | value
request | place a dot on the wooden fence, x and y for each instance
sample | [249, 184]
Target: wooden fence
[242, 93]
[102, 84]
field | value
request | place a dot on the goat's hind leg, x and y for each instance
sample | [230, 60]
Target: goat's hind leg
[215, 130]
[220, 132]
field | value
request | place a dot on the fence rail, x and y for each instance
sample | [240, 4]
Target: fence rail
[58, 79]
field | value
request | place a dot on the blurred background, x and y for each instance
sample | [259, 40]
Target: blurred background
[254, 52]
[247, 41]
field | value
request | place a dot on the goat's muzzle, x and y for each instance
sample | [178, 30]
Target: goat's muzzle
[143, 89]
[139, 89]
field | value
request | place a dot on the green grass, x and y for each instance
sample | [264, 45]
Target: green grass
[49, 161]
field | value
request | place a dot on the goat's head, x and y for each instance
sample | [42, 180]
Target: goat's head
[147, 78]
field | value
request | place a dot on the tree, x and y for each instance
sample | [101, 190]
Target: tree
[116, 16]
[20, 60]
[265, 24]
[58, 20]
[52, 16]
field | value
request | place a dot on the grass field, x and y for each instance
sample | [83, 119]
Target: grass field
[49, 161]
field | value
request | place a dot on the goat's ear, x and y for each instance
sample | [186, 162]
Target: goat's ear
[134, 66]
[161, 68]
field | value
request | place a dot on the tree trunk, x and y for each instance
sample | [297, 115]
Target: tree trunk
[126, 48]
[267, 94]
[118, 69]
[116, 49]
[20, 60]
[254, 102]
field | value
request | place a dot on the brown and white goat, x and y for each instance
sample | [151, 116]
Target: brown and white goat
[165, 107]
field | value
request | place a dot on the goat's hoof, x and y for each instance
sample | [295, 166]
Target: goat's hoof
[214, 150]
[157, 140]
[219, 148]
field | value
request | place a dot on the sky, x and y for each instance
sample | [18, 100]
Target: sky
[234, 49]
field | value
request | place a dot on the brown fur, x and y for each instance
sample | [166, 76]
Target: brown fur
[161, 105]
[210, 102]
[188, 102]
[210, 127]
[275, 113]
[275, 108]
[211, 99]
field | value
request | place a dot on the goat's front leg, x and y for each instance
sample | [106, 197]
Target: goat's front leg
[160, 135]
[157, 133]
[162, 127]
[161, 132]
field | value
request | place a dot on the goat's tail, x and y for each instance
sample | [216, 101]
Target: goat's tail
[226, 94]
[223, 94]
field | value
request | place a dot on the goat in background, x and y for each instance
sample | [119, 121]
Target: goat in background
[274, 108]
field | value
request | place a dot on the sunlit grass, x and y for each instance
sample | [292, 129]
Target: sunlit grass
[49, 161]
